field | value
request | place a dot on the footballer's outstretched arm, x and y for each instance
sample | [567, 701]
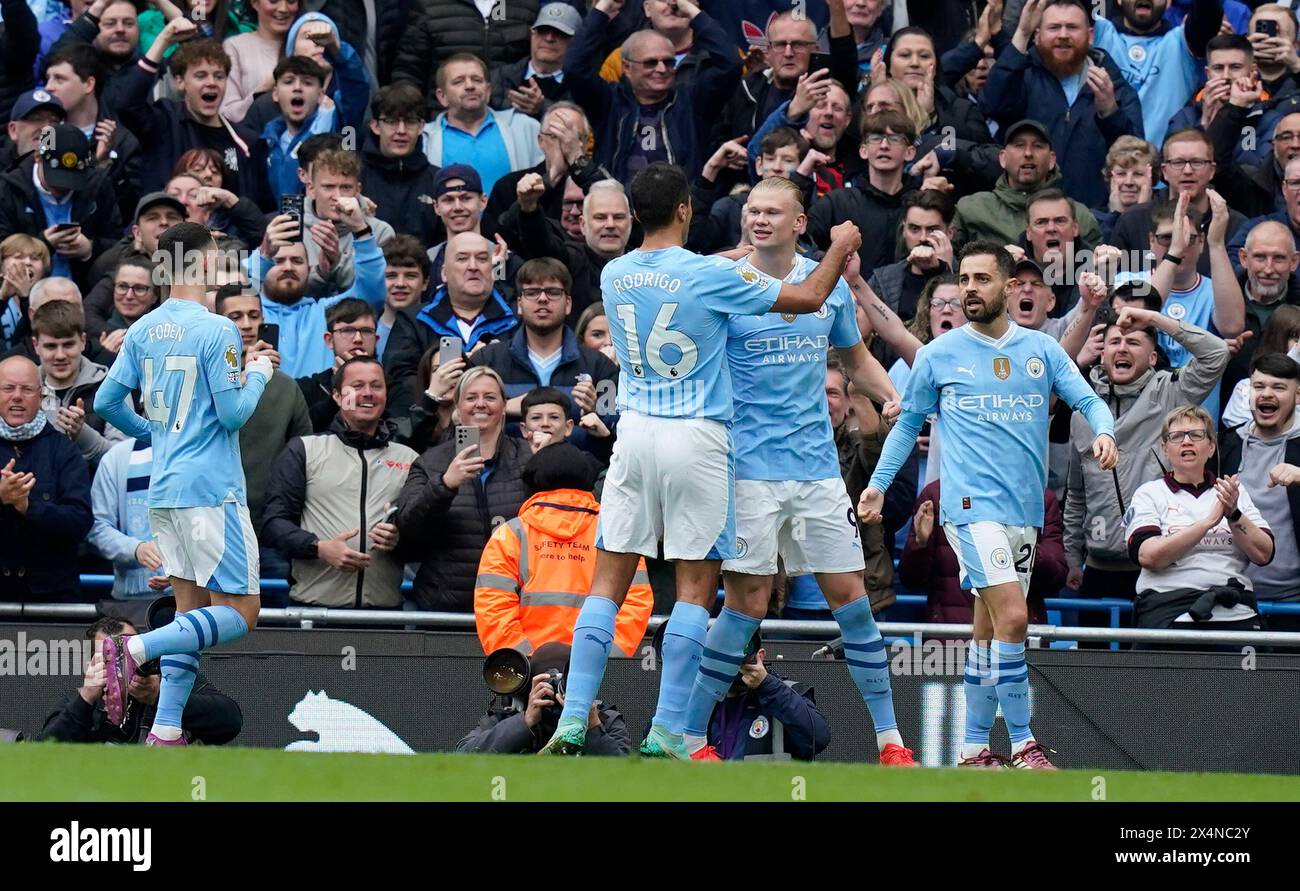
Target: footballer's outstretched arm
[898, 446]
[111, 404]
[881, 319]
[809, 295]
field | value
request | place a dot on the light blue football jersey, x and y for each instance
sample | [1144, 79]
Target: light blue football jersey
[1160, 68]
[668, 312]
[782, 428]
[178, 356]
[993, 398]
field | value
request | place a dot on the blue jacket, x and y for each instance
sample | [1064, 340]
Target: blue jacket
[38, 551]
[746, 727]
[122, 517]
[614, 111]
[281, 161]
[496, 320]
[1020, 87]
[350, 85]
[303, 351]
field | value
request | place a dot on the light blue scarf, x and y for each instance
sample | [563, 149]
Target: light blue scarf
[23, 432]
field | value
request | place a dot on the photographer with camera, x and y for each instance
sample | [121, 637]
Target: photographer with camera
[763, 716]
[210, 717]
[513, 726]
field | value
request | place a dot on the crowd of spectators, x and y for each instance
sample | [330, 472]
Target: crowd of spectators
[416, 200]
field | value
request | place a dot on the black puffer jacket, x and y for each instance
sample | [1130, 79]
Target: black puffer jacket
[402, 189]
[438, 29]
[20, 41]
[448, 528]
[350, 16]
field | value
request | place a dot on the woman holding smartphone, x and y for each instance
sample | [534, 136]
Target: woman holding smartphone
[459, 491]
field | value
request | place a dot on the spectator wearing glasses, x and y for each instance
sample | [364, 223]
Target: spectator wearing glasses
[1195, 536]
[1188, 167]
[1288, 216]
[1176, 244]
[791, 42]
[648, 116]
[875, 201]
[351, 331]
[544, 352]
[530, 85]
[134, 294]
[395, 171]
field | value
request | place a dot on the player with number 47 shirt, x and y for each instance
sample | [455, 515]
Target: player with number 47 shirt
[185, 361]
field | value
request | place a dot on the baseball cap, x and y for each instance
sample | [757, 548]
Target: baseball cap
[462, 172]
[1030, 263]
[1026, 124]
[153, 199]
[560, 16]
[32, 100]
[66, 157]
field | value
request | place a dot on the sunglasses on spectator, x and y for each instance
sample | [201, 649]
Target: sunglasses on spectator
[1177, 436]
[534, 293]
[353, 333]
[894, 139]
[1168, 238]
[669, 62]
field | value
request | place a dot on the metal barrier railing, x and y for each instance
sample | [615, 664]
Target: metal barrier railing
[308, 617]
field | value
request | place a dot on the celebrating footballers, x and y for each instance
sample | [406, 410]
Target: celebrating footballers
[790, 497]
[671, 477]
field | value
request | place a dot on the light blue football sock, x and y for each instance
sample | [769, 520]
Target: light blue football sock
[864, 651]
[190, 632]
[724, 650]
[1012, 688]
[593, 634]
[981, 698]
[178, 673]
[688, 625]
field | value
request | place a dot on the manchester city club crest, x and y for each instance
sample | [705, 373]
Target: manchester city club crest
[1034, 367]
[1002, 367]
[742, 547]
[759, 728]
[1000, 558]
[1138, 53]
[1175, 310]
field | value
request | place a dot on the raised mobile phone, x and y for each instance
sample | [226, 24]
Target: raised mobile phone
[294, 206]
[466, 437]
[269, 333]
[450, 349]
[1267, 27]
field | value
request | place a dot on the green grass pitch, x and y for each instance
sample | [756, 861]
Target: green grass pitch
[52, 772]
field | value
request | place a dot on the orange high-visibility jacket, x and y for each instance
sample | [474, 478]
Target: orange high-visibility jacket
[537, 568]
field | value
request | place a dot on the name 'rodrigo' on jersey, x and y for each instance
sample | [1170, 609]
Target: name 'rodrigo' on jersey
[782, 428]
[993, 397]
[668, 311]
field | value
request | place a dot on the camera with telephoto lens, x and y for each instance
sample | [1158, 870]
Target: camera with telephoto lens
[509, 674]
